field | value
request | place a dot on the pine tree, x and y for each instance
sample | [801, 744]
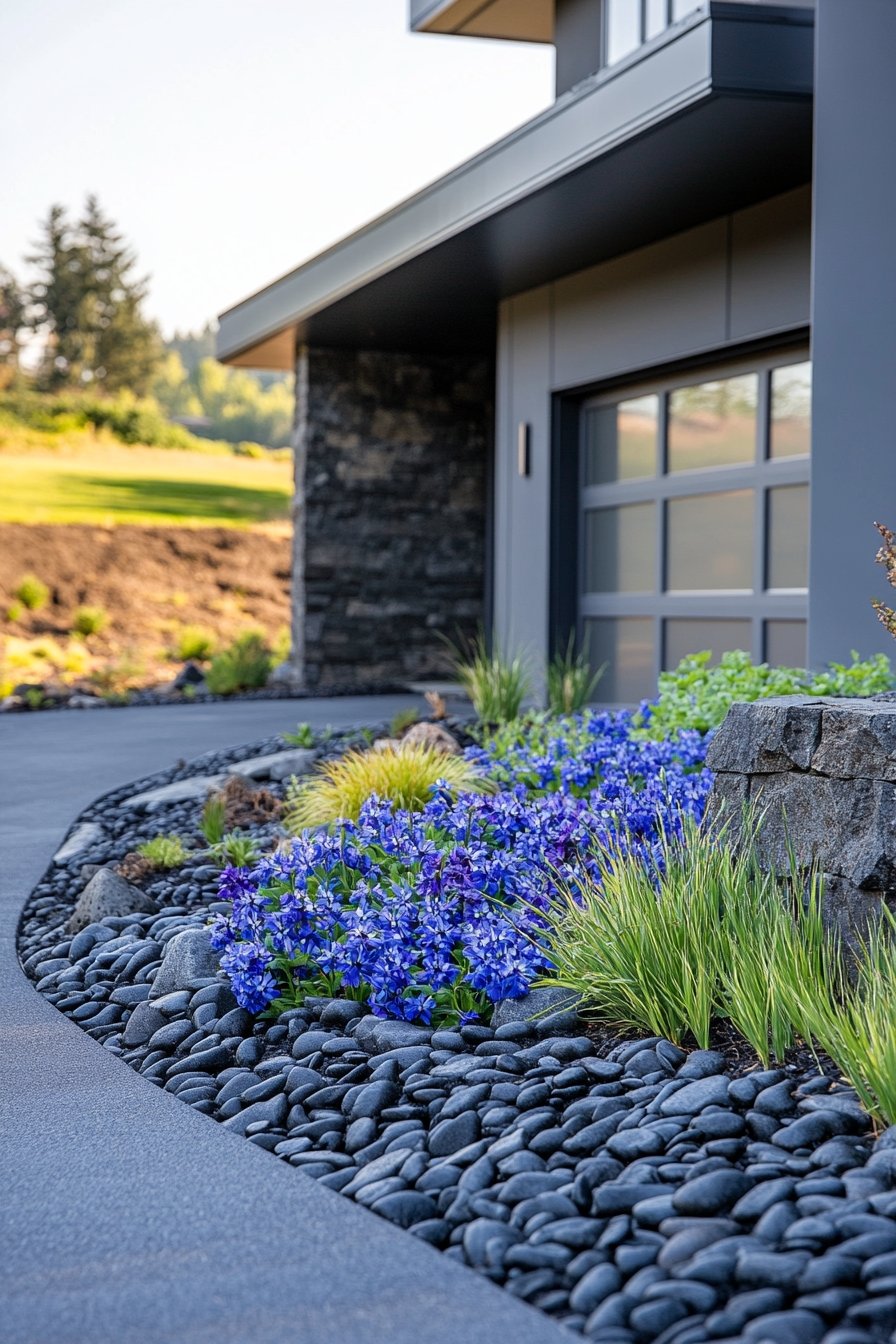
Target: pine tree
[87, 304]
[126, 346]
[57, 301]
[12, 323]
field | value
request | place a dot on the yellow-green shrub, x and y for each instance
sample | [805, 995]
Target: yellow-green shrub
[340, 787]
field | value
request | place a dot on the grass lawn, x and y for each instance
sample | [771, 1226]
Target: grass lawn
[106, 484]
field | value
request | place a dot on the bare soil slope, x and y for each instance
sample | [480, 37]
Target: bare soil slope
[151, 582]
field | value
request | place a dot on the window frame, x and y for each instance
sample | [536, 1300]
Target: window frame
[761, 475]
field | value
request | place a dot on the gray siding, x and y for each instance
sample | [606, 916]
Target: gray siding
[853, 325]
[742, 278]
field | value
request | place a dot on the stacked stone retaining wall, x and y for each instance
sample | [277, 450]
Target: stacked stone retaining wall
[822, 774]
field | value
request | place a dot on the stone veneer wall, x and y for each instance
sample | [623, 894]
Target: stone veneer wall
[392, 458]
[823, 773]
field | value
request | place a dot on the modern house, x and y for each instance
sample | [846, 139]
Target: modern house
[631, 371]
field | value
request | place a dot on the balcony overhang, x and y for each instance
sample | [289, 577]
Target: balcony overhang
[711, 117]
[514, 20]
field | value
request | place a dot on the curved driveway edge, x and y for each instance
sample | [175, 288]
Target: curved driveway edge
[127, 1218]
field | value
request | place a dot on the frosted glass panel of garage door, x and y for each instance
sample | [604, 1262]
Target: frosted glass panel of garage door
[624, 647]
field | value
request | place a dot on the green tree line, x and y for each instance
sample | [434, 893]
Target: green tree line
[82, 308]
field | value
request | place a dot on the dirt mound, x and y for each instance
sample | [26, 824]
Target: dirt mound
[151, 582]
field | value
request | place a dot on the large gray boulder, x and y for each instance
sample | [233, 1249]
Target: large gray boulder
[108, 894]
[188, 956]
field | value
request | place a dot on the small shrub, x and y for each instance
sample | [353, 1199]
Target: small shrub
[213, 822]
[571, 683]
[15, 611]
[116, 678]
[89, 621]
[164, 851]
[302, 737]
[497, 686]
[34, 698]
[886, 556]
[406, 777]
[194, 644]
[243, 666]
[236, 850]
[402, 721]
[32, 592]
[698, 696]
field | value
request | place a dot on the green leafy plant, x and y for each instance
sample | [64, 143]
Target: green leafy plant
[32, 592]
[34, 698]
[194, 644]
[402, 720]
[89, 621]
[497, 686]
[405, 777]
[213, 822]
[243, 666]
[302, 737]
[164, 851]
[236, 849]
[15, 611]
[571, 682]
[696, 695]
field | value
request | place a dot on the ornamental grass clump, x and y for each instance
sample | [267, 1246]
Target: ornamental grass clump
[497, 686]
[405, 776]
[854, 1021]
[571, 681]
[243, 666]
[671, 940]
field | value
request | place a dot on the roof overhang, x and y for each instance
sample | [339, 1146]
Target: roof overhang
[712, 116]
[515, 20]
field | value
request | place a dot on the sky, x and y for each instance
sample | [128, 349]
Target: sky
[232, 139]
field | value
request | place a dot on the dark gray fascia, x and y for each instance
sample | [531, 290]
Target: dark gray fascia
[709, 117]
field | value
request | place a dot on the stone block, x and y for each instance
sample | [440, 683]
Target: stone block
[767, 736]
[848, 826]
[857, 741]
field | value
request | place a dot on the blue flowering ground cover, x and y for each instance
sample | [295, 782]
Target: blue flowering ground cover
[435, 916]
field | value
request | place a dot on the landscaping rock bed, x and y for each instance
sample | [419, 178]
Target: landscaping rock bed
[638, 1194]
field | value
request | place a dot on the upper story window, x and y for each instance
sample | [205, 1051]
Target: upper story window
[630, 23]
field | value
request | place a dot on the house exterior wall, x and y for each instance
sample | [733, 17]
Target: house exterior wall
[854, 337]
[393, 458]
[704, 293]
